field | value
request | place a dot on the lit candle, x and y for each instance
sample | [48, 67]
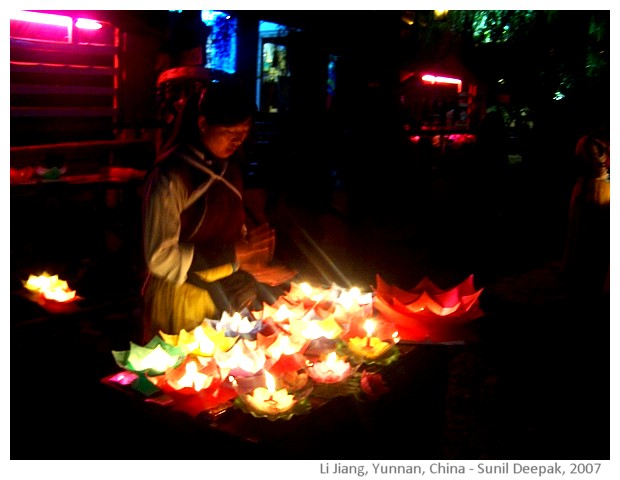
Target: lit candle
[193, 378]
[370, 346]
[331, 370]
[51, 287]
[369, 327]
[268, 399]
[157, 359]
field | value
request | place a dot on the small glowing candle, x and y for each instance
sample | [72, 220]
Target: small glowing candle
[193, 378]
[268, 399]
[370, 347]
[369, 327]
[51, 287]
[331, 370]
[158, 359]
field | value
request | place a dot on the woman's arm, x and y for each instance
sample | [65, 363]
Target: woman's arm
[165, 256]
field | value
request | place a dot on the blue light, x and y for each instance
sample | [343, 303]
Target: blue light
[221, 48]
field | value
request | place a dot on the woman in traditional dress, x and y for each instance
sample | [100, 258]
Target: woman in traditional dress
[201, 259]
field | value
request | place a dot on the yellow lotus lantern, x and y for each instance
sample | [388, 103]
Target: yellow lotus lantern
[203, 341]
[314, 329]
[368, 347]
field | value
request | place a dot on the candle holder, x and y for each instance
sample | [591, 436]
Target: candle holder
[373, 350]
[197, 387]
[331, 367]
[152, 359]
[334, 373]
[372, 343]
[274, 398]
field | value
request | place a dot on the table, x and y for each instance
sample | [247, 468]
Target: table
[405, 423]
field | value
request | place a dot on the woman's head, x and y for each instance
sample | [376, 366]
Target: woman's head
[225, 113]
[219, 118]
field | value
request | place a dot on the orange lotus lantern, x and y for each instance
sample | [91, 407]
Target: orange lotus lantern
[195, 374]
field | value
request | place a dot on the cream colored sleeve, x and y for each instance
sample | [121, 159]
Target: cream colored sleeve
[165, 256]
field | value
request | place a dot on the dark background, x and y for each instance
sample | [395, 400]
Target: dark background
[350, 198]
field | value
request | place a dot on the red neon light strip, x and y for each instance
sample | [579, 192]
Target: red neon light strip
[87, 24]
[44, 18]
[57, 20]
[447, 80]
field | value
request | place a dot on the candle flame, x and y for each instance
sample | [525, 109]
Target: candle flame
[369, 326]
[51, 287]
[306, 288]
[270, 382]
[331, 359]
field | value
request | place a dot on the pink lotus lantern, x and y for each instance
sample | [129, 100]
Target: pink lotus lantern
[331, 369]
[427, 310]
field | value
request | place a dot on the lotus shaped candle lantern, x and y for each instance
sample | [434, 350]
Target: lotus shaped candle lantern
[354, 303]
[243, 359]
[193, 375]
[196, 386]
[264, 395]
[427, 310]
[50, 287]
[331, 368]
[309, 297]
[153, 359]
[313, 329]
[204, 340]
[372, 349]
[239, 324]
[285, 344]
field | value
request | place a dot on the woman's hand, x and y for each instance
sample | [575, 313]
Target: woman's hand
[257, 249]
[255, 254]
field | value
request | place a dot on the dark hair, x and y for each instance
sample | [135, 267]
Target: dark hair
[221, 102]
[226, 103]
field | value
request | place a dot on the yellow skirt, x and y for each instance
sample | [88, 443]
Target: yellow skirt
[170, 308]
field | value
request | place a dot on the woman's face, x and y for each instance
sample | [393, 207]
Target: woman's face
[222, 141]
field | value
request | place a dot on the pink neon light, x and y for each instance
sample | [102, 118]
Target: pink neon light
[439, 79]
[44, 18]
[87, 24]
